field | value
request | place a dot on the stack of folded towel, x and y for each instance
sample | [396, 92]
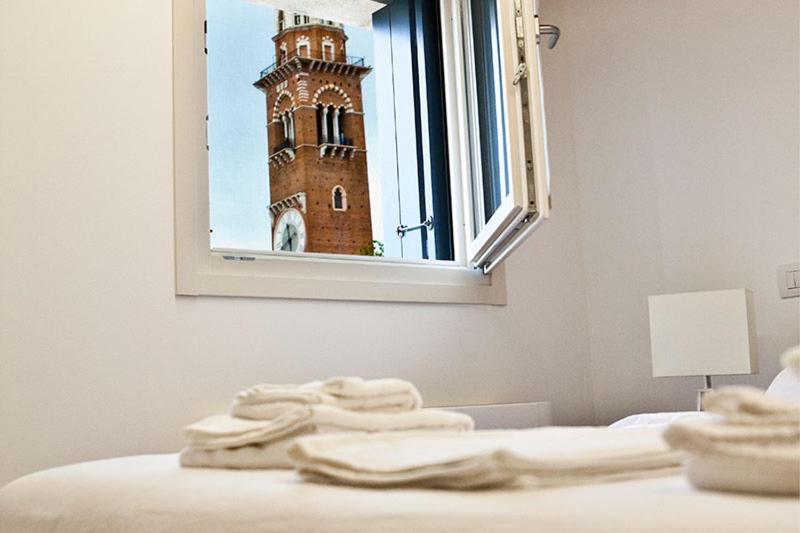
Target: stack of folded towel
[264, 402]
[753, 446]
[266, 419]
[542, 457]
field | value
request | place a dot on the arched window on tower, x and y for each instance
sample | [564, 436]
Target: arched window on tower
[287, 127]
[339, 198]
[330, 125]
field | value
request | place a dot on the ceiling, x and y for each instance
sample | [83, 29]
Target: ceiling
[351, 12]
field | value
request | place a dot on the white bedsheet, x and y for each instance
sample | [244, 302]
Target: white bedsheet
[152, 494]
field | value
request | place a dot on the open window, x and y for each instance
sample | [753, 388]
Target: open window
[411, 127]
[508, 189]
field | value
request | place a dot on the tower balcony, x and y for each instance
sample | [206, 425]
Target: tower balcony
[283, 154]
[344, 149]
[297, 201]
[324, 60]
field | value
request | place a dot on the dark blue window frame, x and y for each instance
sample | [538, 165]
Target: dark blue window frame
[415, 25]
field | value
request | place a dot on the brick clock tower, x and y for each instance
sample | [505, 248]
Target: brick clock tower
[317, 151]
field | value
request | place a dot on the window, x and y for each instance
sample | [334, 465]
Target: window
[509, 181]
[425, 138]
[322, 115]
[285, 135]
[339, 199]
[330, 123]
[303, 47]
[283, 54]
[327, 50]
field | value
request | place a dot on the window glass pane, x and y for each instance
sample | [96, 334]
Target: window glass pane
[297, 160]
[487, 110]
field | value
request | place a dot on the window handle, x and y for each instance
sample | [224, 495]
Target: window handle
[427, 223]
[522, 71]
[553, 31]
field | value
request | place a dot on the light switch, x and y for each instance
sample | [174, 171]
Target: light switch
[789, 280]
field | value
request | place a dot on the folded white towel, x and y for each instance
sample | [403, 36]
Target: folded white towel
[233, 439]
[748, 405]
[543, 457]
[743, 474]
[777, 442]
[739, 458]
[223, 431]
[383, 395]
[754, 446]
[254, 456]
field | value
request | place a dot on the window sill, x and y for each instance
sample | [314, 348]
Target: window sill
[237, 273]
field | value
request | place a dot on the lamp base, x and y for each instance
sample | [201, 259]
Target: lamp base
[700, 395]
[702, 392]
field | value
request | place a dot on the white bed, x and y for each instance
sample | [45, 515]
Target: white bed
[153, 494]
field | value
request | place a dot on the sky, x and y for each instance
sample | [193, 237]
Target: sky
[239, 47]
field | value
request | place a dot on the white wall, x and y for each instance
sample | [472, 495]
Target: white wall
[674, 131]
[98, 357]
[685, 117]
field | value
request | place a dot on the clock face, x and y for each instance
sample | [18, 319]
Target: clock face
[290, 232]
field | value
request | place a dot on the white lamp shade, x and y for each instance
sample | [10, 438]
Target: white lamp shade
[703, 333]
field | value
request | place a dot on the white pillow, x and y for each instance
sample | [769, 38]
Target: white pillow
[785, 386]
[657, 420]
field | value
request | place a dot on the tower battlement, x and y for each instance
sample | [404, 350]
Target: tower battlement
[286, 19]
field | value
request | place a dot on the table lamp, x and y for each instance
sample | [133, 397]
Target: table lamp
[703, 334]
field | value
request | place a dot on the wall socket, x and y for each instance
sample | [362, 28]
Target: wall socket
[789, 280]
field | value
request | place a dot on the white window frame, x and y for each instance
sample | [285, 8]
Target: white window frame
[303, 42]
[527, 204]
[203, 271]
